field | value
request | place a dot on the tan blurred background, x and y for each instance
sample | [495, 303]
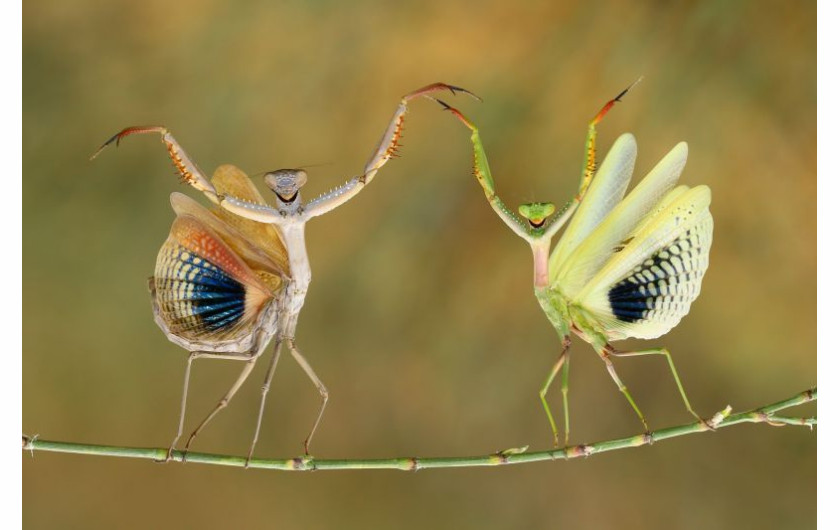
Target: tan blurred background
[421, 318]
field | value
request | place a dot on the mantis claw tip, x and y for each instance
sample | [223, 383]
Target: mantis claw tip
[444, 104]
[629, 88]
[109, 141]
[455, 89]
[457, 113]
[426, 90]
[101, 148]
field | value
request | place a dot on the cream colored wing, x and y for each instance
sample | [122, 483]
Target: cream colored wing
[646, 287]
[594, 251]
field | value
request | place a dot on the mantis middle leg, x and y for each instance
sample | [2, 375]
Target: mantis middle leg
[249, 366]
[275, 357]
[562, 363]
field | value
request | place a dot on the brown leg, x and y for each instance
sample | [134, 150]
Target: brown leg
[187, 169]
[246, 371]
[325, 396]
[278, 347]
[389, 143]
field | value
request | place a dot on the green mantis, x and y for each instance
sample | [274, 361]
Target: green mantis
[623, 268]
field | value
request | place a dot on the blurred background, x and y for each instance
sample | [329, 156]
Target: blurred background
[421, 318]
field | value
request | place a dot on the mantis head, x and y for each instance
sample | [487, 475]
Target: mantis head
[286, 183]
[536, 212]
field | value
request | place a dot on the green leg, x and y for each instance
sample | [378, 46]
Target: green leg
[562, 362]
[481, 170]
[564, 389]
[325, 395]
[667, 354]
[605, 354]
[588, 170]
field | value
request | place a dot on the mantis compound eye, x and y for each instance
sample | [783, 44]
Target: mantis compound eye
[286, 182]
[536, 212]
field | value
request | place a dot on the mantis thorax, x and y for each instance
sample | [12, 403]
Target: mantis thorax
[556, 308]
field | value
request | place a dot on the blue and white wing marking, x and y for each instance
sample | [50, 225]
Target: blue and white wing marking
[204, 290]
[647, 286]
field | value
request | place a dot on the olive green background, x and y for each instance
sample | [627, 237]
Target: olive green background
[420, 318]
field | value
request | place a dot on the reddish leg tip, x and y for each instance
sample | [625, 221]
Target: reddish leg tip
[127, 131]
[457, 113]
[434, 87]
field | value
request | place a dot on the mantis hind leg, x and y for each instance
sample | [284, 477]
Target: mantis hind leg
[606, 352]
[325, 395]
[278, 347]
[561, 363]
[667, 354]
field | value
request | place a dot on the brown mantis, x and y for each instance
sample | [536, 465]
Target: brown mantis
[229, 279]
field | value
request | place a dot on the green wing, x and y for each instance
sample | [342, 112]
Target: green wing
[607, 189]
[612, 233]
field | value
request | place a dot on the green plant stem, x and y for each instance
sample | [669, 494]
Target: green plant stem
[722, 419]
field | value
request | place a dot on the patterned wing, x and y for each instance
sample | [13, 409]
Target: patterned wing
[232, 181]
[607, 189]
[594, 251]
[646, 288]
[203, 289]
[255, 257]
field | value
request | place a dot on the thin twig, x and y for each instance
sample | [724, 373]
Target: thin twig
[722, 419]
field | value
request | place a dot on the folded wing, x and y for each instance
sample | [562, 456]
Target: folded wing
[232, 181]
